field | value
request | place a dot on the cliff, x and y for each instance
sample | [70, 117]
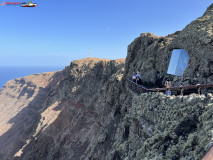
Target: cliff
[58, 114]
[151, 54]
[21, 107]
[87, 111]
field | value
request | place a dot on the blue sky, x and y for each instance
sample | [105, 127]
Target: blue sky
[56, 32]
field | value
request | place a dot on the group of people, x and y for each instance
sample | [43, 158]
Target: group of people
[136, 78]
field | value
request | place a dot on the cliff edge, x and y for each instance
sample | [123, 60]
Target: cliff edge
[87, 111]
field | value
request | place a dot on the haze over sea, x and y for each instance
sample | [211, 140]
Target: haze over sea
[9, 73]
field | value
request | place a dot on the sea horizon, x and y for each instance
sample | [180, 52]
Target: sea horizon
[12, 72]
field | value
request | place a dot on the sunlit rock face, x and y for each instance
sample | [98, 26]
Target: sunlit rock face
[87, 111]
[21, 107]
[59, 114]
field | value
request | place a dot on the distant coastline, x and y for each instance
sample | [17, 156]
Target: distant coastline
[12, 72]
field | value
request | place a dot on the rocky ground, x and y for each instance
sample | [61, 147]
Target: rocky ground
[87, 111]
[162, 127]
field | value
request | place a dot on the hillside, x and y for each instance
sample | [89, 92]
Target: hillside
[87, 111]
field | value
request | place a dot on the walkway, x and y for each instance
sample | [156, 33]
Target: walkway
[143, 89]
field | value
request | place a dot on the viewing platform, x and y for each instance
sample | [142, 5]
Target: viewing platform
[142, 89]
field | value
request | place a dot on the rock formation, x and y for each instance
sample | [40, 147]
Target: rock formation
[62, 113]
[87, 111]
[21, 107]
[151, 54]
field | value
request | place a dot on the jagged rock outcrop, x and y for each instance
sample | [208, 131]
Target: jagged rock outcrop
[87, 111]
[151, 54]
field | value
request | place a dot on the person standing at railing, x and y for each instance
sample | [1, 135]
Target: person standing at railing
[138, 75]
[138, 80]
[168, 84]
[134, 77]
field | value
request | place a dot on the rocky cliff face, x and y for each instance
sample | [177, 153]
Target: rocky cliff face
[87, 111]
[64, 116]
[161, 127]
[151, 54]
[21, 107]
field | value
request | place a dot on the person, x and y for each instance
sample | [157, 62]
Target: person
[138, 75]
[138, 80]
[168, 84]
[134, 77]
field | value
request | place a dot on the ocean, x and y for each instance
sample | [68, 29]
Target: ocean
[9, 73]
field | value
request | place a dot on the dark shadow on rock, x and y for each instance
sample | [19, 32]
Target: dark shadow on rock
[26, 89]
[45, 147]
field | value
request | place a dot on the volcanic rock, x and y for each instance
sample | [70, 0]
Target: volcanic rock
[88, 111]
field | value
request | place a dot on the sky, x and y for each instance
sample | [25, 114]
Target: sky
[56, 32]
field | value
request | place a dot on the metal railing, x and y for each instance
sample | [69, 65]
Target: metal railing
[142, 89]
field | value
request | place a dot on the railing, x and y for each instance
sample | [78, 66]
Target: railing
[142, 89]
